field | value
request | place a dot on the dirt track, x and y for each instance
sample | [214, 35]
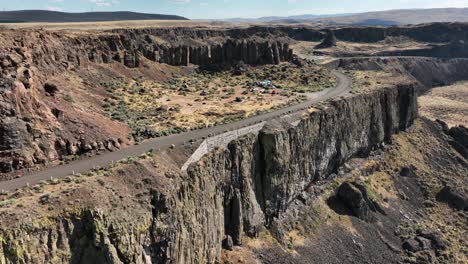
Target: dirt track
[343, 87]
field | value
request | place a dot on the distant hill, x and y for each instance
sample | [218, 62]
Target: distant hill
[380, 18]
[400, 17]
[57, 17]
[292, 19]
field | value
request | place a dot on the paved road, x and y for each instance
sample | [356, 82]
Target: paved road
[342, 88]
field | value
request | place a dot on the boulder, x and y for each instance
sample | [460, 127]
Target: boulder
[24, 75]
[436, 238]
[411, 245]
[408, 171]
[444, 126]
[72, 148]
[453, 197]
[45, 199]
[185, 88]
[87, 147]
[228, 243]
[116, 143]
[354, 196]
[58, 113]
[239, 69]
[95, 145]
[460, 136]
[50, 88]
[109, 145]
[424, 243]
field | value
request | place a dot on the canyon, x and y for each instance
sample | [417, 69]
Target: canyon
[358, 176]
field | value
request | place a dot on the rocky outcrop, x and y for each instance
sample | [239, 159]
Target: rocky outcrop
[454, 197]
[229, 193]
[250, 52]
[328, 42]
[460, 142]
[355, 197]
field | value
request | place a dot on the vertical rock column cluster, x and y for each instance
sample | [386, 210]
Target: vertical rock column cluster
[251, 52]
[229, 193]
[130, 51]
[259, 175]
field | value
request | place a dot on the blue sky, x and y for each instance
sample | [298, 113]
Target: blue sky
[198, 9]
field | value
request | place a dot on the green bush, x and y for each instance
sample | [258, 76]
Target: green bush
[68, 98]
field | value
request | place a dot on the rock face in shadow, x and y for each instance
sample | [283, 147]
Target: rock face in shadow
[328, 42]
[355, 197]
[460, 136]
[454, 197]
[229, 193]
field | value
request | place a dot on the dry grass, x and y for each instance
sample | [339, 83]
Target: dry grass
[371, 80]
[307, 48]
[200, 99]
[449, 103]
[166, 106]
[413, 149]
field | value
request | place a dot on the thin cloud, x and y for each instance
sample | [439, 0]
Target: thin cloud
[54, 8]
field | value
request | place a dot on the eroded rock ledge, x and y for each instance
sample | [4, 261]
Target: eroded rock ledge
[235, 191]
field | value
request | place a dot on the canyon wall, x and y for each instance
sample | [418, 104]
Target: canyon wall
[234, 192]
[433, 32]
[228, 52]
[37, 129]
[129, 49]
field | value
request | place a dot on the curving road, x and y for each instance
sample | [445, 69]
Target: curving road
[342, 87]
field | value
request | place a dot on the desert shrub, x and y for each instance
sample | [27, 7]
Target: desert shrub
[68, 98]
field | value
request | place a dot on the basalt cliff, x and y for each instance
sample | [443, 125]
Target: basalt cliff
[238, 192]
